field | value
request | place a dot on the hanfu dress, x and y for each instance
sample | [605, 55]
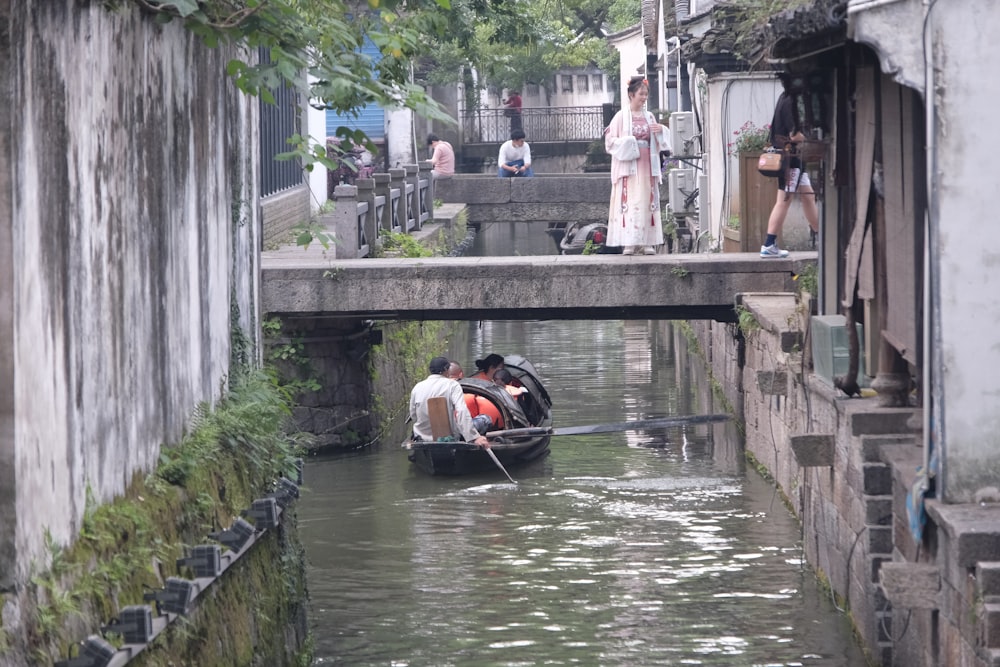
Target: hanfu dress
[634, 213]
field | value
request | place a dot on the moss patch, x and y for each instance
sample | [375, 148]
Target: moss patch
[252, 615]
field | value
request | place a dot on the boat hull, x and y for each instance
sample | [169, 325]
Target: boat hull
[462, 458]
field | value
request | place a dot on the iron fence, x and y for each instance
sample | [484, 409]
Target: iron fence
[493, 126]
[278, 121]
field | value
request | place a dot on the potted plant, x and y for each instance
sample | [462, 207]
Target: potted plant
[756, 191]
[750, 139]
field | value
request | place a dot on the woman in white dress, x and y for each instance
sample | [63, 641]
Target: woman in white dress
[634, 140]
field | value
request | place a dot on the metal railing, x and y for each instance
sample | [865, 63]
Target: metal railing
[493, 126]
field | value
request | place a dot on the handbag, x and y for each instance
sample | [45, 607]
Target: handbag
[626, 149]
[772, 163]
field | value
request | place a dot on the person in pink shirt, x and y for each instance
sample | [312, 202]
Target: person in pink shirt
[443, 157]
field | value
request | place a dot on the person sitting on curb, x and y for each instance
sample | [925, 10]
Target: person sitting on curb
[514, 158]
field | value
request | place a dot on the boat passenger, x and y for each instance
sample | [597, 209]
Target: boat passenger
[513, 386]
[485, 414]
[488, 366]
[436, 384]
[455, 371]
[503, 378]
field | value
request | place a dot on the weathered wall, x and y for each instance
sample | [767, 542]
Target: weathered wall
[853, 504]
[916, 44]
[128, 237]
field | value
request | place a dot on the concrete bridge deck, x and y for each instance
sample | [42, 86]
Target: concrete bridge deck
[570, 287]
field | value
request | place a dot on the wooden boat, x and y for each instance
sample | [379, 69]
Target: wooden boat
[534, 409]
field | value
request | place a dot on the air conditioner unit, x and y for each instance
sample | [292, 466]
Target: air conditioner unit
[682, 133]
[680, 183]
[831, 351]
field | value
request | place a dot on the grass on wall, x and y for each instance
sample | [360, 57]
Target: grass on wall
[232, 454]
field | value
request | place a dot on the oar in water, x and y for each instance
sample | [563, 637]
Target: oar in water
[499, 465]
[661, 422]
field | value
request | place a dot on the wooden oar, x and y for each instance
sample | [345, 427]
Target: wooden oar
[661, 422]
[499, 465]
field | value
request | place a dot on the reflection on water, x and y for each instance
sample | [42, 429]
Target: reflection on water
[640, 548]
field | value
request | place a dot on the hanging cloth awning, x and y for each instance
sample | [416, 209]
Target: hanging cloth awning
[859, 268]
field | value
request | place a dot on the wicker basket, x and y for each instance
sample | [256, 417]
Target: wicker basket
[812, 150]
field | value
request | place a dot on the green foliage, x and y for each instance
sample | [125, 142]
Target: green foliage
[291, 367]
[510, 44]
[232, 454]
[321, 38]
[403, 245]
[680, 271]
[306, 233]
[747, 322]
[808, 280]
[669, 223]
[590, 248]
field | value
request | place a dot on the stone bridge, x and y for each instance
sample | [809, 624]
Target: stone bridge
[555, 198]
[685, 286]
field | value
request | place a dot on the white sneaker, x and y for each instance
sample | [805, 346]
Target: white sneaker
[629, 250]
[772, 251]
[649, 250]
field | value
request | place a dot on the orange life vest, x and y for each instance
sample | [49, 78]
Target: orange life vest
[480, 405]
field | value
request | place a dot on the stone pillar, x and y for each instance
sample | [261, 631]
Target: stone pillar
[413, 192]
[366, 195]
[384, 188]
[345, 222]
[426, 179]
[400, 203]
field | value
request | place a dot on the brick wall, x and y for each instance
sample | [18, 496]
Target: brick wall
[280, 212]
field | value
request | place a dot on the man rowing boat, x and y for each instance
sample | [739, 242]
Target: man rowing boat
[438, 385]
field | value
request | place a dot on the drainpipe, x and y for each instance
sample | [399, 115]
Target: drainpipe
[931, 357]
[864, 5]
[676, 42]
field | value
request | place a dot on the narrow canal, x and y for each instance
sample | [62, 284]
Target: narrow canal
[623, 549]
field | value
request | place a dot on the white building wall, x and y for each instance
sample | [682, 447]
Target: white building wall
[631, 57]
[399, 137]
[316, 131]
[918, 44]
[963, 214]
[130, 181]
[734, 99]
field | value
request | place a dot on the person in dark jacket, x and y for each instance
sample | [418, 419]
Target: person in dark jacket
[786, 132]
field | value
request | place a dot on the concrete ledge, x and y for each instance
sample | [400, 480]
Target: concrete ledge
[988, 578]
[911, 585]
[972, 531]
[813, 450]
[774, 312]
[881, 421]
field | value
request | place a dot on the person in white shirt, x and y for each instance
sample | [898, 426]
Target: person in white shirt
[514, 158]
[437, 384]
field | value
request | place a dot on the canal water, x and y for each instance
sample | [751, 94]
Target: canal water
[650, 547]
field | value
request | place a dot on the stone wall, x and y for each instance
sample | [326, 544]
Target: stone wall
[556, 198]
[129, 184]
[280, 212]
[845, 466]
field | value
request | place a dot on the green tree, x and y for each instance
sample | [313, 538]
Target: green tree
[321, 38]
[509, 44]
